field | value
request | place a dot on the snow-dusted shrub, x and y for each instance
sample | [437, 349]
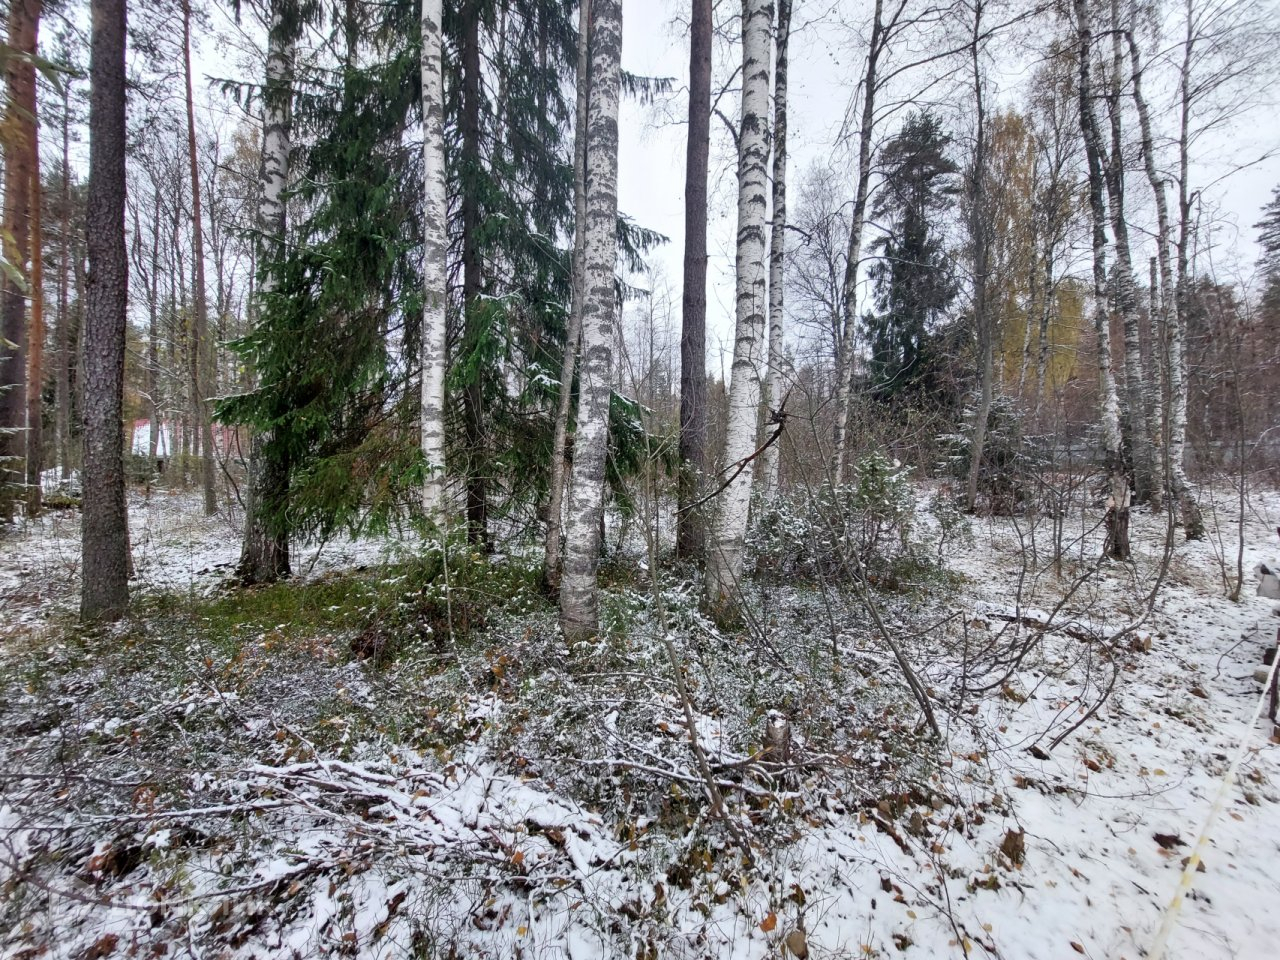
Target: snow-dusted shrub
[851, 530]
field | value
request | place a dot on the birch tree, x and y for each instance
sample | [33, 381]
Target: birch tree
[726, 543]
[1118, 492]
[104, 529]
[774, 391]
[264, 556]
[435, 251]
[568, 363]
[579, 610]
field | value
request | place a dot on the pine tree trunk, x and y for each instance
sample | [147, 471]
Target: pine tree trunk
[472, 279]
[690, 523]
[727, 540]
[579, 609]
[1118, 488]
[105, 532]
[845, 366]
[202, 347]
[264, 555]
[435, 251]
[568, 362]
[24, 18]
[772, 457]
[153, 345]
[62, 329]
[35, 340]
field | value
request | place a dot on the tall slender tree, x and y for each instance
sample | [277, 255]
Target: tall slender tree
[19, 152]
[264, 556]
[727, 540]
[201, 355]
[1118, 483]
[579, 610]
[568, 362]
[35, 331]
[105, 532]
[776, 377]
[690, 530]
[435, 251]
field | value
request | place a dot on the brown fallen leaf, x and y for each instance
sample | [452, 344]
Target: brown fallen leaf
[797, 944]
[769, 922]
[1168, 840]
[1078, 948]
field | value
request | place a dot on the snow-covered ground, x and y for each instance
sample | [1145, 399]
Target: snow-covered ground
[509, 797]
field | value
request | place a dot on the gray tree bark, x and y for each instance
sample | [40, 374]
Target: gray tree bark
[105, 531]
[691, 527]
[579, 609]
[435, 252]
[980, 237]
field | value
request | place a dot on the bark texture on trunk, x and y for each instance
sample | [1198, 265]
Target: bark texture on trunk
[579, 609]
[779, 376]
[727, 540]
[35, 339]
[264, 555]
[1137, 436]
[690, 523]
[435, 249]
[848, 338]
[20, 79]
[104, 530]
[62, 329]
[568, 363]
[201, 343]
[1118, 488]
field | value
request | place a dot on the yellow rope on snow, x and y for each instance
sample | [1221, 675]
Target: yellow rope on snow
[1189, 872]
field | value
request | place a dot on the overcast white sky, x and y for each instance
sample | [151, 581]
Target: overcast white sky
[825, 62]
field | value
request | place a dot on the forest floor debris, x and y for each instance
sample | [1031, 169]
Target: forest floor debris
[362, 762]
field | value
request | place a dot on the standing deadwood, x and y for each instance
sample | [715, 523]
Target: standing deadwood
[579, 610]
[105, 531]
[1136, 432]
[690, 529]
[844, 362]
[201, 358]
[568, 363]
[20, 81]
[1117, 519]
[435, 251]
[980, 236]
[264, 555]
[771, 457]
[35, 340]
[727, 540]
[62, 329]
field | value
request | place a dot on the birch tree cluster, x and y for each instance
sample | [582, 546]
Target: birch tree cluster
[360, 266]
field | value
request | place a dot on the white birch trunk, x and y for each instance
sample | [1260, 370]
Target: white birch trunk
[568, 363]
[726, 544]
[579, 608]
[1109, 401]
[434, 251]
[264, 555]
[779, 375]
